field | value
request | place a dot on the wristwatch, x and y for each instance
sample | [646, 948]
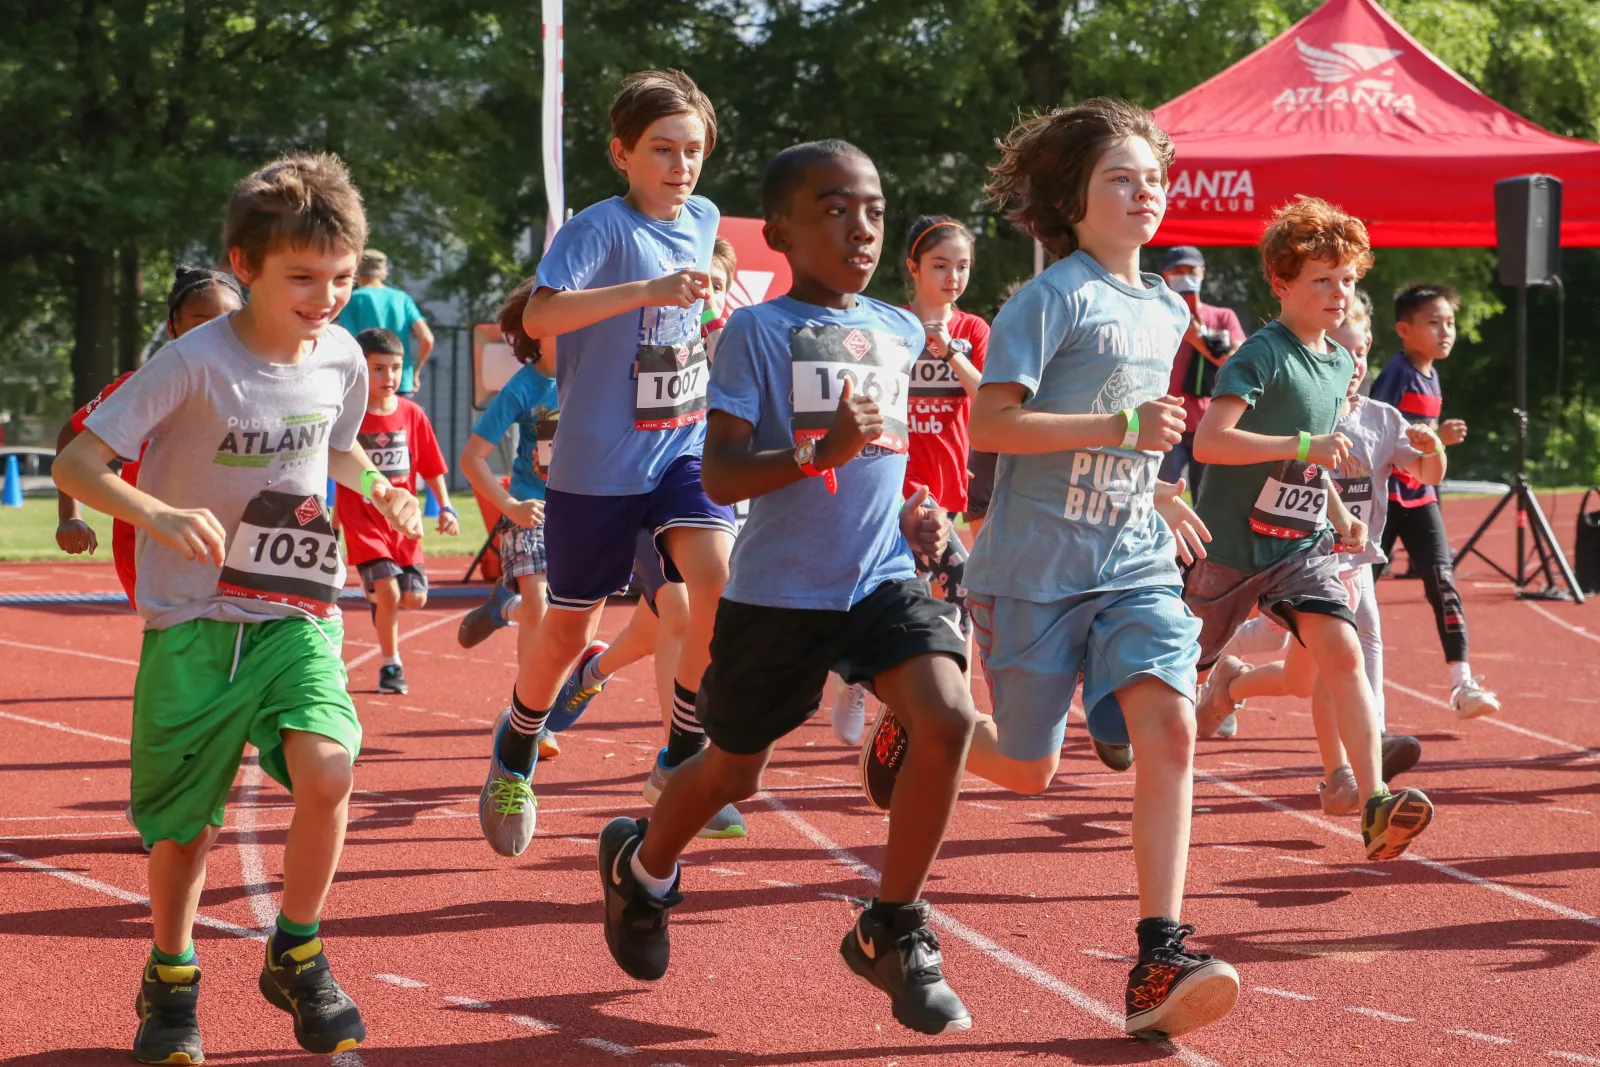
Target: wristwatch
[805, 454]
[958, 346]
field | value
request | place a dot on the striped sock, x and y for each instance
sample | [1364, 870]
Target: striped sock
[517, 748]
[685, 737]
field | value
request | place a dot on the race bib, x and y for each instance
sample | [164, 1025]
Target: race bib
[390, 452]
[931, 376]
[876, 362]
[1293, 503]
[672, 381]
[285, 551]
[544, 443]
[1356, 492]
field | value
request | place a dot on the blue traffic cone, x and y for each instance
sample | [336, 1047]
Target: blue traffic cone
[332, 488]
[430, 506]
[11, 495]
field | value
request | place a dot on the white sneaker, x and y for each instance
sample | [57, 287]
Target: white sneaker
[850, 714]
[1229, 727]
[1472, 701]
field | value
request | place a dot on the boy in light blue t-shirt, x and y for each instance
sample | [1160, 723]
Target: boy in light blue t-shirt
[808, 422]
[1075, 573]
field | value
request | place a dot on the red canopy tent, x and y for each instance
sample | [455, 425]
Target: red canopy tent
[1348, 106]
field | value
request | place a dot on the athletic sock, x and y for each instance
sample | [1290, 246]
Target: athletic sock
[518, 746]
[167, 959]
[592, 678]
[656, 887]
[511, 605]
[1154, 933]
[392, 661]
[883, 911]
[290, 934]
[1461, 673]
[686, 737]
[1257, 635]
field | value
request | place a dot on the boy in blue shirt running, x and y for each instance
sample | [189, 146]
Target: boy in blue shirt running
[808, 402]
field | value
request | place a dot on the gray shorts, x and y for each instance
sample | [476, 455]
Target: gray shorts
[521, 552]
[411, 578]
[1221, 597]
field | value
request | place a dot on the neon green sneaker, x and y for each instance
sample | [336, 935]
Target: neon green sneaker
[1391, 821]
[507, 808]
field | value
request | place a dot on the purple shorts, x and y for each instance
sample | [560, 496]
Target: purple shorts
[590, 541]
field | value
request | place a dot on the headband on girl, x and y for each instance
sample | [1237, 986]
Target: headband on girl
[190, 280]
[947, 224]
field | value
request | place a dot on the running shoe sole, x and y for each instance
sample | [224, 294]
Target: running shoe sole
[1214, 705]
[1200, 998]
[1409, 816]
[725, 825]
[503, 843]
[881, 757]
[1117, 757]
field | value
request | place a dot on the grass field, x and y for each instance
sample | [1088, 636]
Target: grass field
[29, 532]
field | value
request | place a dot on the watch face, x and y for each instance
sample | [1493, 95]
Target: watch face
[804, 454]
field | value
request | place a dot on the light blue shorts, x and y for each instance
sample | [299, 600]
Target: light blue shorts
[1033, 654]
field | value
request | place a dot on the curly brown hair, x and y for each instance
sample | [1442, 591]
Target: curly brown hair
[1042, 179]
[1308, 228]
[509, 318]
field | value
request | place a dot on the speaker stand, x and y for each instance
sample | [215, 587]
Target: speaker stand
[1530, 518]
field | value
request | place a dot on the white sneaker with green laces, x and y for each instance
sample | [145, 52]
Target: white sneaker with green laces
[507, 809]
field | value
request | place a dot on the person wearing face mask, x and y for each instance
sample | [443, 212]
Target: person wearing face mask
[1214, 332]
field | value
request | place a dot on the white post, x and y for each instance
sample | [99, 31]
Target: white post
[552, 112]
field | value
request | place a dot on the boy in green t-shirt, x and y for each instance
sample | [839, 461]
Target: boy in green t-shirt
[239, 577]
[1270, 432]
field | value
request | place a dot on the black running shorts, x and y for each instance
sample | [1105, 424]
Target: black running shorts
[768, 665]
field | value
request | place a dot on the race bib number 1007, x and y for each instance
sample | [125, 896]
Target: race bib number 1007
[284, 551]
[876, 363]
[672, 383]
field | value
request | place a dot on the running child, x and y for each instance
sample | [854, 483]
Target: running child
[239, 579]
[1272, 431]
[1075, 572]
[1425, 319]
[197, 296]
[938, 259]
[399, 440]
[724, 272]
[622, 286]
[823, 572]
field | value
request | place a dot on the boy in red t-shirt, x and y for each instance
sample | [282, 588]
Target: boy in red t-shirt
[399, 440]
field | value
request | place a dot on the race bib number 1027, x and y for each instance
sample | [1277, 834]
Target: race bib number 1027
[876, 363]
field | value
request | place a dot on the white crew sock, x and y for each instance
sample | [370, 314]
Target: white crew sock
[656, 887]
[592, 678]
[392, 661]
[508, 610]
[1460, 673]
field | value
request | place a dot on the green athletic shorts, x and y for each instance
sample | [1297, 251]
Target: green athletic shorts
[194, 711]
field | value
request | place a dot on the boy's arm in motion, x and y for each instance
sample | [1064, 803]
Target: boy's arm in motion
[448, 522]
[398, 507]
[1000, 423]
[1219, 440]
[475, 465]
[83, 471]
[731, 472]
[73, 535]
[1351, 530]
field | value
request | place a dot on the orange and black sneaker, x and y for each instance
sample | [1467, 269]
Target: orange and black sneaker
[169, 1028]
[881, 758]
[1172, 990]
[299, 981]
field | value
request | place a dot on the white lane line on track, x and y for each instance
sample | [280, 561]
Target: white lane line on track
[1108, 1015]
[1571, 1057]
[424, 628]
[1432, 865]
[540, 1025]
[1285, 993]
[1102, 954]
[1374, 1013]
[1493, 1039]
[401, 980]
[71, 652]
[64, 728]
[470, 1003]
[608, 1046]
[252, 864]
[1563, 623]
[1491, 720]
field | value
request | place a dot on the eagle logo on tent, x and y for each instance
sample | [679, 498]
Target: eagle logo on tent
[1344, 61]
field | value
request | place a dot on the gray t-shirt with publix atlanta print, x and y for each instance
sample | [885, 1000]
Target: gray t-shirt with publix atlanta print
[248, 440]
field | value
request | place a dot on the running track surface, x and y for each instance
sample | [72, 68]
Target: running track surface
[1476, 949]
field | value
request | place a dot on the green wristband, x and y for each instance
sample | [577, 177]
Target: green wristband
[1305, 446]
[369, 477]
[1130, 436]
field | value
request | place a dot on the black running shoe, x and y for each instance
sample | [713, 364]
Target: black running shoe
[392, 679]
[1400, 754]
[326, 1020]
[1117, 757]
[1172, 990]
[482, 621]
[881, 758]
[169, 1029]
[903, 960]
[636, 921]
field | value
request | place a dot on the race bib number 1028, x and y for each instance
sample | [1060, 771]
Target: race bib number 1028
[876, 363]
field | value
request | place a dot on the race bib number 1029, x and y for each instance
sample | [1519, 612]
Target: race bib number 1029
[1293, 502]
[876, 363]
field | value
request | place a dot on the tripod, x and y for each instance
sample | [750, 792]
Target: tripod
[1530, 518]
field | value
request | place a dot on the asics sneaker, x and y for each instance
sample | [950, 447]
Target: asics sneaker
[903, 959]
[392, 679]
[489, 616]
[574, 696]
[507, 810]
[849, 714]
[1213, 704]
[881, 758]
[1173, 990]
[1472, 701]
[1391, 821]
[724, 824]
[1400, 754]
[636, 920]
[1339, 794]
[169, 1028]
[326, 1020]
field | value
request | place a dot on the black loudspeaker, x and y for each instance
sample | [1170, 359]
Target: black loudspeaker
[1527, 224]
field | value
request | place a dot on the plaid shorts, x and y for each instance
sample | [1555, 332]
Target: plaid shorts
[521, 551]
